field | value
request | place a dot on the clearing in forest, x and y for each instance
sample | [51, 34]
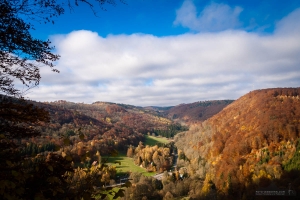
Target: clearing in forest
[152, 141]
[125, 164]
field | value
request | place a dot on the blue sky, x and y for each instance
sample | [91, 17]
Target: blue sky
[169, 52]
[157, 17]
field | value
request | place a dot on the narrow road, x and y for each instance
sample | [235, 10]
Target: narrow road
[159, 176]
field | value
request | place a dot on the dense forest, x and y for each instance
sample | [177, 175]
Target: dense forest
[250, 144]
[153, 158]
[73, 141]
[196, 112]
[64, 148]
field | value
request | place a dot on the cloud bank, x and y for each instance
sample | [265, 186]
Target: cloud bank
[214, 17]
[144, 70]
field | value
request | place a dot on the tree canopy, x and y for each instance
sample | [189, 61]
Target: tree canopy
[22, 55]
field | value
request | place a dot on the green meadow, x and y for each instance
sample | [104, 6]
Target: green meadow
[125, 164]
[152, 141]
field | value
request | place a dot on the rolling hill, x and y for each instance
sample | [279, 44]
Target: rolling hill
[109, 124]
[195, 112]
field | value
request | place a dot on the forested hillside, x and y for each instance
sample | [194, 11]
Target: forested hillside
[195, 112]
[249, 144]
[62, 148]
[108, 125]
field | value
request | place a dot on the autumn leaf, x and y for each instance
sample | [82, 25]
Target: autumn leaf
[50, 168]
[14, 173]
[9, 163]
[56, 148]
[81, 136]
[86, 196]
[53, 179]
[68, 158]
[66, 141]
[60, 190]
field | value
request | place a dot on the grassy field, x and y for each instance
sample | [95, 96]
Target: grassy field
[127, 165]
[152, 141]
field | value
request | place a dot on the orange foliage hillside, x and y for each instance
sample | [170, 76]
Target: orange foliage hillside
[194, 112]
[250, 139]
[108, 125]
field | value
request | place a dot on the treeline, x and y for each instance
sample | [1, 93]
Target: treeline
[174, 185]
[170, 131]
[210, 103]
[195, 112]
[153, 158]
[34, 149]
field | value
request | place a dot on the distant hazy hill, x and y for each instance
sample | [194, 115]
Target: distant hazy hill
[195, 112]
[254, 138]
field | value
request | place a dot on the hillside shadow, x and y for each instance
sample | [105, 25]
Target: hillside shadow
[287, 187]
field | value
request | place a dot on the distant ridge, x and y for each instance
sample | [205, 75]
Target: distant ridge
[197, 111]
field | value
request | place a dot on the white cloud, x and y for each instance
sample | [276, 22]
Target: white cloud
[148, 70]
[289, 24]
[214, 17]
